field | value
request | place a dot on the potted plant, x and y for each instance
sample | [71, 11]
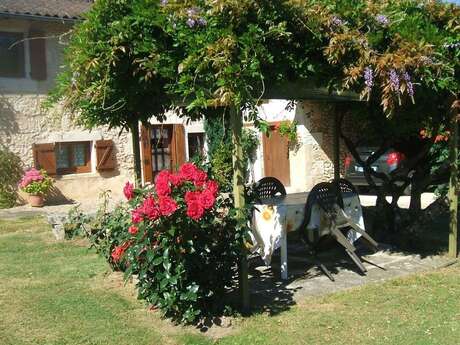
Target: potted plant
[36, 183]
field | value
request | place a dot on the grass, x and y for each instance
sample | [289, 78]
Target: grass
[61, 293]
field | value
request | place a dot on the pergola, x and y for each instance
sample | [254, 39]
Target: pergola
[305, 91]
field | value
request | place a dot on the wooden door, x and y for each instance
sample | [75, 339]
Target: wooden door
[276, 157]
[163, 148]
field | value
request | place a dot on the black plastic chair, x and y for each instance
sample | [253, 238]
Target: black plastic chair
[268, 187]
[328, 196]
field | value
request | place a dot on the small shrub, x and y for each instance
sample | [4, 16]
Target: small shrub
[182, 240]
[10, 174]
[77, 223]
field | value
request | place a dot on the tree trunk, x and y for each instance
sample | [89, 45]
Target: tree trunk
[134, 127]
[417, 187]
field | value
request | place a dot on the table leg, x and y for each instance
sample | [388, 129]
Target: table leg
[284, 266]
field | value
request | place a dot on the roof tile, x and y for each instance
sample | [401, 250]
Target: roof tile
[66, 9]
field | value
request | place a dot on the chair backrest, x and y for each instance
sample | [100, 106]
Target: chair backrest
[323, 194]
[344, 186]
[269, 187]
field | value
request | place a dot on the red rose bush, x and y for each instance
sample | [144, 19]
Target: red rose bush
[182, 242]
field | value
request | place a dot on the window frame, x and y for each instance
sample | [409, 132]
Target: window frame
[87, 168]
[21, 48]
[201, 136]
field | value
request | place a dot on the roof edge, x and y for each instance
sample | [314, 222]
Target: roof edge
[39, 17]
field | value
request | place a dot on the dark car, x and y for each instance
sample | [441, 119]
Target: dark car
[386, 163]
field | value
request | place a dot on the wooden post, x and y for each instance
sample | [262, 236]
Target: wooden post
[236, 120]
[134, 127]
[453, 185]
[336, 145]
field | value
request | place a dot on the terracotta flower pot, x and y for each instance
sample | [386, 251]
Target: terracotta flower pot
[36, 200]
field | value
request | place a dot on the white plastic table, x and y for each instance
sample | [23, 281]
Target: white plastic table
[273, 218]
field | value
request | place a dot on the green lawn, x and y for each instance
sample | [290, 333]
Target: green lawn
[61, 293]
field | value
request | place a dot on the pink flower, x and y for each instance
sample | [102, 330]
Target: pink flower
[32, 175]
[212, 186]
[133, 230]
[207, 199]
[195, 210]
[137, 216]
[175, 179]
[188, 171]
[150, 208]
[162, 183]
[191, 197]
[167, 205]
[128, 191]
[200, 178]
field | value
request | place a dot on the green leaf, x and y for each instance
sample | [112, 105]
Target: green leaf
[157, 261]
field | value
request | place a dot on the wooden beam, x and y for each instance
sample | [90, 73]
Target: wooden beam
[236, 120]
[336, 145]
[304, 90]
[453, 187]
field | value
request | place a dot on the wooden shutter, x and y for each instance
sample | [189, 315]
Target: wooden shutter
[178, 143]
[44, 157]
[105, 155]
[146, 154]
[37, 47]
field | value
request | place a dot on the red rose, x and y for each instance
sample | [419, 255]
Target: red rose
[212, 186]
[191, 197]
[128, 190]
[207, 199]
[195, 210]
[137, 216]
[162, 183]
[133, 230]
[200, 178]
[150, 208]
[167, 205]
[188, 171]
[118, 251]
[175, 179]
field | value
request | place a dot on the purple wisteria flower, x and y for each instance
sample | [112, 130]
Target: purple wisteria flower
[382, 20]
[410, 86]
[394, 80]
[337, 21]
[202, 22]
[163, 2]
[190, 22]
[369, 77]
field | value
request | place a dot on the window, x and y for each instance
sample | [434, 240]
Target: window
[12, 61]
[195, 145]
[73, 157]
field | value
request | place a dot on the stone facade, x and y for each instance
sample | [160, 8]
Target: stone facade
[23, 122]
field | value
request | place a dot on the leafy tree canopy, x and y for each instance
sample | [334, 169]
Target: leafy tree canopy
[130, 60]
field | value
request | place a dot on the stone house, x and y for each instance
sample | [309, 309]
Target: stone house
[85, 163]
